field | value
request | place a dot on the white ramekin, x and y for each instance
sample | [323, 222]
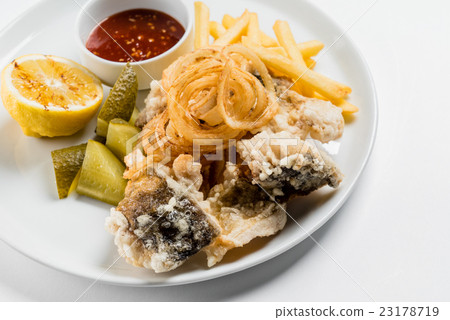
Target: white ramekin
[95, 11]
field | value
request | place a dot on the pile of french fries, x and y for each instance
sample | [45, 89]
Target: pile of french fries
[283, 56]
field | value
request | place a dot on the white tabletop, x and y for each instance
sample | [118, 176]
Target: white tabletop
[393, 234]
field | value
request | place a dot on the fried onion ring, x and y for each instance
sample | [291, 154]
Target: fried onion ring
[212, 93]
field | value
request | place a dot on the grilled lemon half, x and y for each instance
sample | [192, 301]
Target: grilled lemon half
[50, 96]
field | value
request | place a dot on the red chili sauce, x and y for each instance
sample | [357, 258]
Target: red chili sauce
[134, 35]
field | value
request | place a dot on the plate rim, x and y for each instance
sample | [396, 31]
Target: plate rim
[103, 277]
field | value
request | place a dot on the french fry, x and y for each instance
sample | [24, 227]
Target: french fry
[297, 87]
[310, 63]
[277, 50]
[286, 39]
[291, 59]
[327, 87]
[234, 33]
[347, 107]
[253, 28]
[201, 25]
[228, 21]
[216, 29]
[277, 74]
[310, 48]
[266, 41]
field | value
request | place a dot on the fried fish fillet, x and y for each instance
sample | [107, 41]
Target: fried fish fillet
[155, 103]
[161, 223]
[286, 166]
[251, 201]
[302, 116]
[244, 212]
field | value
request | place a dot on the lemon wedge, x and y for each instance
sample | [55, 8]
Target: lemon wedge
[50, 96]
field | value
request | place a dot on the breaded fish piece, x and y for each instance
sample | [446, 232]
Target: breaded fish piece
[243, 211]
[155, 103]
[302, 116]
[160, 223]
[251, 202]
[286, 166]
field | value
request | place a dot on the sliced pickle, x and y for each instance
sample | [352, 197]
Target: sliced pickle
[119, 121]
[74, 185]
[101, 175]
[67, 163]
[121, 100]
[120, 135]
[134, 116]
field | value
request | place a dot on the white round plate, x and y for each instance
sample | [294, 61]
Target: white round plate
[69, 234]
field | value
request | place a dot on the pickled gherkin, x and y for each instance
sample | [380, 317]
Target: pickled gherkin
[121, 100]
[101, 175]
[67, 163]
[120, 136]
[134, 117]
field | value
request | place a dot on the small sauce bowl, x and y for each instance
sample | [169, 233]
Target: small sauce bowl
[95, 11]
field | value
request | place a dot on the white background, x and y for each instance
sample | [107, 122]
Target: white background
[393, 235]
